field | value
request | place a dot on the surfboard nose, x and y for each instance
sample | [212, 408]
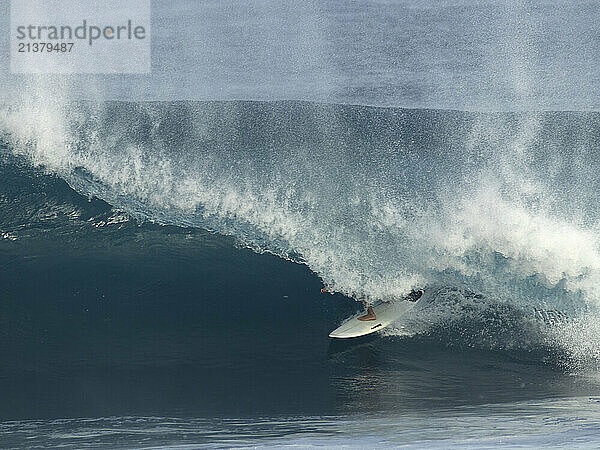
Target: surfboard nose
[341, 333]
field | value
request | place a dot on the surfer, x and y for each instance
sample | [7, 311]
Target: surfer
[370, 315]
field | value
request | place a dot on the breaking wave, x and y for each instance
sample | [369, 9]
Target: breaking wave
[375, 201]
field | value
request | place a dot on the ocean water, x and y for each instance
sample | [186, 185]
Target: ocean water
[164, 238]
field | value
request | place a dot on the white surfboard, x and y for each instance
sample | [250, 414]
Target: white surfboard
[385, 313]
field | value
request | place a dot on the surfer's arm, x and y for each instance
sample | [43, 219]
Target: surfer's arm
[324, 290]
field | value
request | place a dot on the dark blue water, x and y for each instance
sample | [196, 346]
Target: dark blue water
[127, 321]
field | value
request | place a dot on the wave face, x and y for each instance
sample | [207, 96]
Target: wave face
[375, 201]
